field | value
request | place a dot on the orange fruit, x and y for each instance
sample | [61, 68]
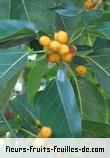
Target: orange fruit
[44, 41]
[81, 70]
[67, 57]
[62, 37]
[63, 49]
[55, 46]
[53, 57]
[45, 132]
[89, 4]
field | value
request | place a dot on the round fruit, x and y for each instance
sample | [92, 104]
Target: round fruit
[45, 132]
[62, 37]
[67, 57]
[9, 114]
[55, 46]
[44, 41]
[81, 70]
[53, 58]
[73, 49]
[38, 123]
[63, 49]
[89, 4]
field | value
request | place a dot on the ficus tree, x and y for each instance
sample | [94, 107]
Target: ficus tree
[41, 88]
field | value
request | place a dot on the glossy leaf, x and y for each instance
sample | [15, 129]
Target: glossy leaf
[4, 9]
[92, 104]
[12, 61]
[34, 78]
[25, 111]
[100, 62]
[58, 109]
[34, 11]
[95, 129]
[102, 30]
[13, 32]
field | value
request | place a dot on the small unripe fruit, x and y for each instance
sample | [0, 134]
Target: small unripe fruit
[63, 49]
[55, 46]
[62, 37]
[38, 123]
[89, 4]
[44, 41]
[81, 70]
[53, 58]
[45, 132]
[67, 57]
[9, 114]
[73, 49]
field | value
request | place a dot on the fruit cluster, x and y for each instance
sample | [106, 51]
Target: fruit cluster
[90, 4]
[58, 49]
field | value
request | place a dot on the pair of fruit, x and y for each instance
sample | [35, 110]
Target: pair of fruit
[57, 50]
[90, 4]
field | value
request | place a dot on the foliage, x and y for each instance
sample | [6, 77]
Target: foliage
[54, 95]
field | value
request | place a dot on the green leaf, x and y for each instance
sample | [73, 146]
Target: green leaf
[95, 129]
[108, 103]
[58, 109]
[69, 8]
[8, 125]
[34, 78]
[92, 15]
[25, 111]
[69, 24]
[100, 62]
[71, 16]
[102, 30]
[6, 90]
[92, 104]
[13, 32]
[105, 17]
[34, 11]
[12, 62]
[101, 43]
[4, 9]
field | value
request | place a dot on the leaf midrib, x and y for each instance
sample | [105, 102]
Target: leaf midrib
[64, 108]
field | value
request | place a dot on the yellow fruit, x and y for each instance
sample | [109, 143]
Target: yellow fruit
[45, 132]
[67, 57]
[89, 4]
[81, 70]
[62, 37]
[53, 58]
[63, 49]
[44, 41]
[55, 46]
